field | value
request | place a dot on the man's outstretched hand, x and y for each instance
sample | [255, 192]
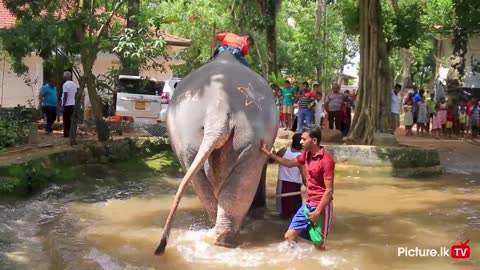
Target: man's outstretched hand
[265, 150]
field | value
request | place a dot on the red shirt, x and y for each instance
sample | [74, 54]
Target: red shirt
[234, 41]
[450, 116]
[470, 106]
[319, 168]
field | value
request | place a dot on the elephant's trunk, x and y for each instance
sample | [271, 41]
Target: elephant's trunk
[215, 135]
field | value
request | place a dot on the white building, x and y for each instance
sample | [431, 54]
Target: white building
[472, 65]
[15, 91]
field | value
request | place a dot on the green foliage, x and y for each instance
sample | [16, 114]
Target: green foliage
[140, 46]
[14, 125]
[439, 15]
[42, 30]
[163, 162]
[276, 79]
[8, 184]
[303, 49]
[195, 20]
[467, 14]
[423, 64]
[351, 16]
[404, 27]
[414, 26]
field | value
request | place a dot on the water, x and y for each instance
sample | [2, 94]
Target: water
[113, 219]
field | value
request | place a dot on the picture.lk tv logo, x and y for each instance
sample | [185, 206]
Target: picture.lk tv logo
[461, 251]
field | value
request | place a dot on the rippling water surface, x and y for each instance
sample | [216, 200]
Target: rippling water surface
[113, 220]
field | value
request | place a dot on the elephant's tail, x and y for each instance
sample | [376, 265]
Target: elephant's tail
[216, 134]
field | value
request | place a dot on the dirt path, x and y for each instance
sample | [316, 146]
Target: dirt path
[457, 156]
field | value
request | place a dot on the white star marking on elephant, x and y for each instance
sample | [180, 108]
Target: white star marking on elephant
[251, 96]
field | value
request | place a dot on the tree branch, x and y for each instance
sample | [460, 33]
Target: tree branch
[104, 26]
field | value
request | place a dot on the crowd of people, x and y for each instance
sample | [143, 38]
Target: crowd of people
[435, 117]
[302, 107]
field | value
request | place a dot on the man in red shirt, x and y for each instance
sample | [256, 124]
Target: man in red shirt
[320, 167]
[237, 45]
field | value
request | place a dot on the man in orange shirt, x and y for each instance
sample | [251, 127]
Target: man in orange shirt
[237, 45]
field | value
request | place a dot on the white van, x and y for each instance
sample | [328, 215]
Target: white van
[167, 93]
[138, 98]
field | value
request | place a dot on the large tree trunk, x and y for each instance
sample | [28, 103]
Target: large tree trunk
[88, 55]
[103, 133]
[371, 112]
[88, 80]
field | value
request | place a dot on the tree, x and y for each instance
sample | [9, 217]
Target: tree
[80, 28]
[408, 30]
[133, 13]
[373, 97]
[195, 20]
[262, 15]
[306, 53]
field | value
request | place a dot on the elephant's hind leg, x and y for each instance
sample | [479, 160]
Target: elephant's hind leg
[204, 191]
[234, 201]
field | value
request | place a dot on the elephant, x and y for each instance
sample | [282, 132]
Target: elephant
[217, 118]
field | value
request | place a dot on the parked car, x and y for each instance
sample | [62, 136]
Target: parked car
[138, 98]
[167, 93]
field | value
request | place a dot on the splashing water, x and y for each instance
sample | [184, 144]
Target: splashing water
[197, 247]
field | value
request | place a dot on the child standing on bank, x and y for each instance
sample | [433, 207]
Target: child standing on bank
[462, 121]
[422, 119]
[408, 117]
[450, 120]
[436, 123]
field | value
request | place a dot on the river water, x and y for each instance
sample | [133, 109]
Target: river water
[113, 218]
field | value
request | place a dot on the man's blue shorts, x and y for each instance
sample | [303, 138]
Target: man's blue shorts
[301, 222]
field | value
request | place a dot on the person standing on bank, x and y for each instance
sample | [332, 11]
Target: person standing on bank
[395, 107]
[68, 101]
[318, 210]
[48, 102]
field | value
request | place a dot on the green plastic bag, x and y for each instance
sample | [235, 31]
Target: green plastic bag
[314, 230]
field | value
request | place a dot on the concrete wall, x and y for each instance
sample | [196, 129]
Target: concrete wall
[472, 79]
[13, 89]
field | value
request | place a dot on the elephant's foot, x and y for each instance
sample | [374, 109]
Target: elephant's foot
[227, 240]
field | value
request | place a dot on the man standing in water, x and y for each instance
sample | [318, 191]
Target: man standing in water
[316, 214]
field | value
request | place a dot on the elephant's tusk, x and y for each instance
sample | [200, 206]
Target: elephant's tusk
[289, 194]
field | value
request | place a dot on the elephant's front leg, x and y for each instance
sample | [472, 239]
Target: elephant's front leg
[235, 199]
